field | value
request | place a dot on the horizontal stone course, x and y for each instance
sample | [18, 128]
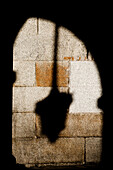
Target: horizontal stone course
[25, 98]
[41, 151]
[80, 124]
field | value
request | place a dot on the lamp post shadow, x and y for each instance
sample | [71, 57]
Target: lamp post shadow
[53, 109]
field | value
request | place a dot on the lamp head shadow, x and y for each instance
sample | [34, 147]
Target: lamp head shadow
[53, 111]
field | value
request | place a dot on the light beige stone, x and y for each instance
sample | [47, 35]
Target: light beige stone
[36, 38]
[84, 73]
[69, 45]
[45, 40]
[25, 73]
[25, 98]
[45, 47]
[25, 45]
[46, 27]
[85, 86]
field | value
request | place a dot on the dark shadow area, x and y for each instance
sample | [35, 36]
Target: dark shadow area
[53, 109]
[89, 28]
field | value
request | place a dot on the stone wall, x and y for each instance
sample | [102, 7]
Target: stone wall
[33, 57]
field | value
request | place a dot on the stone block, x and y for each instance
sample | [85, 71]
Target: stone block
[46, 27]
[45, 48]
[44, 73]
[36, 38]
[45, 40]
[93, 150]
[85, 86]
[80, 124]
[25, 98]
[83, 124]
[84, 74]
[84, 100]
[25, 73]
[25, 45]
[69, 45]
[41, 151]
[23, 125]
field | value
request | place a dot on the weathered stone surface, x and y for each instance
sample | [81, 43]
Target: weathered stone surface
[33, 56]
[80, 124]
[85, 86]
[35, 41]
[25, 45]
[45, 47]
[41, 151]
[25, 98]
[84, 73]
[44, 73]
[46, 40]
[23, 125]
[69, 45]
[46, 27]
[93, 149]
[25, 73]
[83, 124]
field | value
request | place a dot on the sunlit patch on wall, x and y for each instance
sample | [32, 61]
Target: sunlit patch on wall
[34, 46]
[77, 74]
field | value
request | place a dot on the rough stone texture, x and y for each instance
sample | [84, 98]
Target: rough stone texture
[25, 46]
[46, 40]
[85, 86]
[23, 125]
[25, 73]
[44, 73]
[35, 41]
[69, 45]
[84, 73]
[41, 151]
[46, 28]
[83, 124]
[25, 98]
[33, 55]
[93, 149]
[80, 124]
